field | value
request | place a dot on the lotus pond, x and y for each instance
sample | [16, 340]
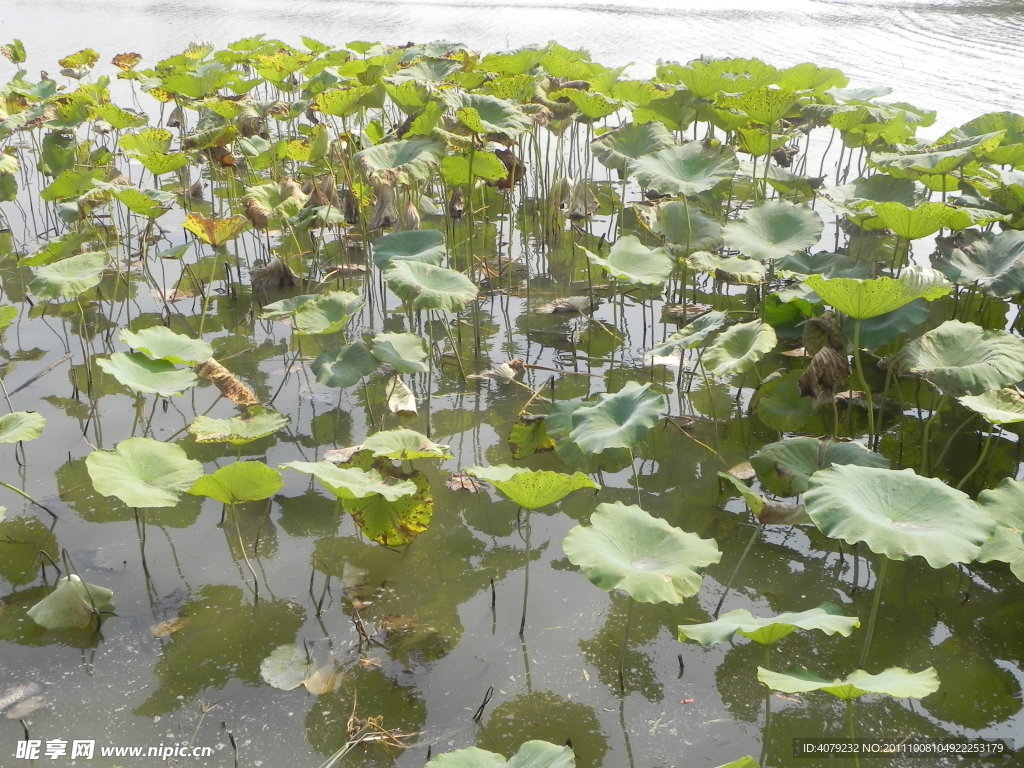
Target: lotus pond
[369, 405]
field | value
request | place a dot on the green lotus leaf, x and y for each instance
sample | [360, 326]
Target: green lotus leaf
[684, 230]
[884, 329]
[739, 347]
[238, 430]
[71, 605]
[488, 115]
[693, 334]
[143, 472]
[395, 522]
[161, 343]
[316, 314]
[351, 482]
[459, 170]
[532, 754]
[400, 162]
[151, 203]
[118, 118]
[274, 201]
[405, 444]
[1000, 406]
[287, 667]
[774, 229]
[897, 513]
[21, 425]
[686, 170]
[532, 488]
[141, 374]
[785, 467]
[626, 548]
[425, 286]
[592, 105]
[146, 141]
[766, 105]
[159, 163]
[69, 277]
[743, 762]
[995, 261]
[732, 269]
[632, 261]
[919, 221]
[861, 299]
[780, 405]
[826, 618]
[964, 358]
[620, 147]
[345, 367]
[239, 482]
[619, 420]
[341, 102]
[936, 161]
[426, 245]
[895, 681]
[404, 352]
[1005, 504]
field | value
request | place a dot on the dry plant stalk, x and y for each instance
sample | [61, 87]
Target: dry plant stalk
[228, 384]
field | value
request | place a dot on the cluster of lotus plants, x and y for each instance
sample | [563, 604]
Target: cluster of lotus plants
[556, 270]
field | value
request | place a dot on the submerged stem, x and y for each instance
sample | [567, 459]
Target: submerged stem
[879, 583]
[863, 381]
[625, 645]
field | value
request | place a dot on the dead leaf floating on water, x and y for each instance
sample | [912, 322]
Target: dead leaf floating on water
[276, 274]
[505, 372]
[228, 384]
[21, 700]
[569, 305]
[168, 627]
[342, 455]
[827, 371]
[460, 481]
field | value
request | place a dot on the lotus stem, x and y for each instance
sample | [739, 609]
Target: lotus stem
[982, 455]
[863, 381]
[767, 710]
[25, 496]
[851, 729]
[925, 468]
[636, 477]
[526, 574]
[876, 436]
[736, 570]
[879, 583]
[625, 645]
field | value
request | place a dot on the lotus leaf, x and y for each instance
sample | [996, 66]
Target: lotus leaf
[141, 374]
[894, 681]
[317, 314]
[405, 444]
[488, 115]
[995, 261]
[239, 482]
[341, 102]
[935, 161]
[161, 343]
[732, 269]
[862, 299]
[402, 351]
[693, 334]
[344, 367]
[351, 482]
[785, 467]
[400, 398]
[591, 104]
[215, 232]
[684, 230]
[618, 148]
[425, 245]
[897, 513]
[767, 631]
[1001, 406]
[1005, 503]
[69, 277]
[399, 162]
[686, 170]
[774, 229]
[917, 222]
[395, 522]
[71, 605]
[143, 472]
[151, 203]
[743, 762]
[425, 286]
[287, 667]
[633, 262]
[963, 358]
[21, 425]
[532, 754]
[459, 170]
[532, 489]
[619, 420]
[147, 141]
[738, 348]
[237, 430]
[627, 548]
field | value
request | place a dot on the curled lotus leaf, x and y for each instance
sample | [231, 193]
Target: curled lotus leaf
[894, 681]
[765, 631]
[863, 299]
[1005, 503]
[738, 348]
[71, 605]
[532, 488]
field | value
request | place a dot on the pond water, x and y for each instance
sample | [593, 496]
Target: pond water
[203, 595]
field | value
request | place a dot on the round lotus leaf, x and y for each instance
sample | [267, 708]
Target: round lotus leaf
[532, 754]
[317, 314]
[686, 170]
[626, 548]
[161, 343]
[404, 352]
[239, 482]
[895, 681]
[684, 228]
[1005, 503]
[618, 148]
[825, 618]
[405, 444]
[72, 605]
[995, 261]
[344, 367]
[1001, 406]
[352, 482]
[964, 358]
[693, 334]
[785, 467]
[425, 286]
[532, 488]
[399, 161]
[21, 425]
[898, 513]
[861, 299]
[70, 277]
[774, 229]
[738, 348]
[631, 261]
[141, 374]
[426, 245]
[619, 420]
[143, 472]
[238, 430]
